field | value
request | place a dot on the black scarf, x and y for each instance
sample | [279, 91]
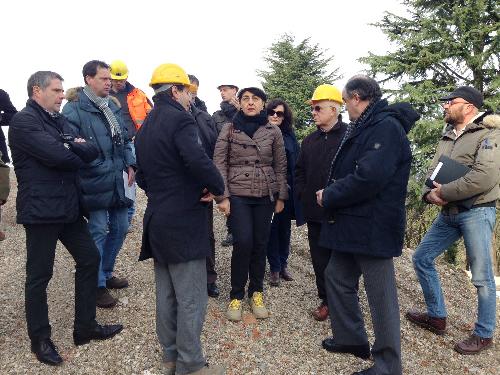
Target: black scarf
[228, 109]
[249, 124]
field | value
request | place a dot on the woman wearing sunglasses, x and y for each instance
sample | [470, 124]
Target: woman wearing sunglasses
[278, 247]
[250, 155]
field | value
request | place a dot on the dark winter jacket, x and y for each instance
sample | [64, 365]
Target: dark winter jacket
[292, 150]
[45, 167]
[102, 181]
[365, 203]
[313, 164]
[252, 167]
[206, 130]
[224, 115]
[200, 104]
[7, 110]
[173, 170]
[139, 99]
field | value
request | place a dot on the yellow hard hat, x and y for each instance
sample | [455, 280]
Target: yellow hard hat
[326, 92]
[170, 73]
[119, 70]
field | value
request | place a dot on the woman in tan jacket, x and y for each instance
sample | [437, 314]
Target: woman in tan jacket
[251, 157]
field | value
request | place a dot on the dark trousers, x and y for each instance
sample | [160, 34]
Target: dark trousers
[41, 240]
[278, 246]
[3, 149]
[320, 257]
[228, 225]
[211, 272]
[342, 277]
[251, 223]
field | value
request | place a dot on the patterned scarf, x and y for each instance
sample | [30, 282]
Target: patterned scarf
[350, 127]
[103, 105]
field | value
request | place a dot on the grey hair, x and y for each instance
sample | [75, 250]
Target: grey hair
[41, 79]
[366, 88]
[337, 106]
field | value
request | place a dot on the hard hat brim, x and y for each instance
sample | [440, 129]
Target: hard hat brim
[119, 78]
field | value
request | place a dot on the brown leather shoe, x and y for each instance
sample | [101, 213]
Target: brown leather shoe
[320, 313]
[285, 275]
[274, 279]
[104, 299]
[116, 283]
[435, 325]
[473, 345]
[2, 236]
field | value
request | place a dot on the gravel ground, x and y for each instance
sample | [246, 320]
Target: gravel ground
[289, 342]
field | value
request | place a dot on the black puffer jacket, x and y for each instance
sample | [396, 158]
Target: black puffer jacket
[46, 169]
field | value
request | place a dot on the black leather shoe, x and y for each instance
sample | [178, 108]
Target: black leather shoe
[99, 332]
[360, 351]
[46, 352]
[213, 290]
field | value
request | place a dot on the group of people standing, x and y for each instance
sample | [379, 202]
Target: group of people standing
[348, 181]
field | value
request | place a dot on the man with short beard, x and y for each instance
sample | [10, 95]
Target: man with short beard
[472, 138]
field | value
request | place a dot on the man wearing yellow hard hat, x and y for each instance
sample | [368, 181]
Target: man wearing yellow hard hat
[316, 153]
[180, 181]
[135, 104]
[135, 107]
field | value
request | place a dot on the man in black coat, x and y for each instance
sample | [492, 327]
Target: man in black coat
[207, 134]
[47, 156]
[7, 111]
[179, 180]
[228, 108]
[311, 173]
[365, 204]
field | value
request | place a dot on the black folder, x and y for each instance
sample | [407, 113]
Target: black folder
[448, 170]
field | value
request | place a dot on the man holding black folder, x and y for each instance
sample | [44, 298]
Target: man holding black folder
[470, 150]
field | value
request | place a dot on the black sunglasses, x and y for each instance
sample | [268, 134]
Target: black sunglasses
[318, 108]
[272, 112]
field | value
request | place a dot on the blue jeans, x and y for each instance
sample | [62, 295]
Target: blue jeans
[109, 242]
[130, 213]
[476, 227]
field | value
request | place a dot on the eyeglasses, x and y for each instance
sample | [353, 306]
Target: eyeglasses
[272, 112]
[451, 102]
[318, 108]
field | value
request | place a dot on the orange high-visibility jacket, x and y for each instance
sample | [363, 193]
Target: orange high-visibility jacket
[138, 106]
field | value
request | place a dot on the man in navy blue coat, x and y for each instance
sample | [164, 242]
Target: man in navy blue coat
[365, 204]
[180, 181]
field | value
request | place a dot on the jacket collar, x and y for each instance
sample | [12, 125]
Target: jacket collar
[483, 120]
[164, 98]
[53, 121]
[76, 94]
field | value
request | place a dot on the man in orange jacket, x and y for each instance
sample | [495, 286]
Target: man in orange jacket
[134, 102]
